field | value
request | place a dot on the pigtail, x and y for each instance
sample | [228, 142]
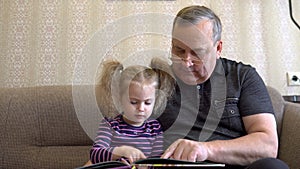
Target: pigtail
[107, 88]
[166, 83]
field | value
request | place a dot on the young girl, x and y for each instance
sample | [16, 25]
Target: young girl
[134, 92]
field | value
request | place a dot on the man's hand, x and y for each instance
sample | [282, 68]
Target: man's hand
[131, 153]
[189, 150]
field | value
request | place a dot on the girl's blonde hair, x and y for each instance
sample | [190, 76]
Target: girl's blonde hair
[114, 81]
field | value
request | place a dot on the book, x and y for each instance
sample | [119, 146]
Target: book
[162, 162]
[155, 162]
[107, 165]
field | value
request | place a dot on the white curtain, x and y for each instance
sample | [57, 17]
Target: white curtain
[62, 42]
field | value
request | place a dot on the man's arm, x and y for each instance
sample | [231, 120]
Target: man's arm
[260, 142]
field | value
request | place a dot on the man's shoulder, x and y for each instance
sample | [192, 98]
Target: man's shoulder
[234, 63]
[236, 66]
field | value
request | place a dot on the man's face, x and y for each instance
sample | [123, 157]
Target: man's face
[194, 54]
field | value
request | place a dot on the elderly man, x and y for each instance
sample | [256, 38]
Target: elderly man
[221, 110]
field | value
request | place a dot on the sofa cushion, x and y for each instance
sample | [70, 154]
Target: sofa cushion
[58, 121]
[289, 148]
[278, 105]
[39, 127]
[44, 116]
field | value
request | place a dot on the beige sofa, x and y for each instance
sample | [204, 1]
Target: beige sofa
[40, 128]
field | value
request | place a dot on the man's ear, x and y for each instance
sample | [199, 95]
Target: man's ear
[219, 48]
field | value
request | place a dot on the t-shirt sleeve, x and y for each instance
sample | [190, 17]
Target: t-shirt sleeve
[102, 150]
[254, 97]
[157, 145]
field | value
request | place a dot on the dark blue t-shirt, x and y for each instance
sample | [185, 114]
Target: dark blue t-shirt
[214, 110]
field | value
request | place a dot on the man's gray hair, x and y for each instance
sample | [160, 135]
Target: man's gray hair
[194, 14]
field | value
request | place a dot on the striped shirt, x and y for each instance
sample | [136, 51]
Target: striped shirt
[116, 132]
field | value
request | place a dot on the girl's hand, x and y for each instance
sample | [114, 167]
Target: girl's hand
[131, 153]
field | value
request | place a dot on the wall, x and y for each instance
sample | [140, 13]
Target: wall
[62, 42]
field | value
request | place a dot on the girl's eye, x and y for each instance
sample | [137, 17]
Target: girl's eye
[133, 102]
[136, 102]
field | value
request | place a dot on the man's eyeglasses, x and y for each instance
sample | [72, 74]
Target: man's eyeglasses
[197, 56]
[179, 60]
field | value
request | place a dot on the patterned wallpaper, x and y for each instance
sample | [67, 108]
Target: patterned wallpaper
[62, 42]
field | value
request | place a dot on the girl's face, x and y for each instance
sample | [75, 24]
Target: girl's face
[138, 104]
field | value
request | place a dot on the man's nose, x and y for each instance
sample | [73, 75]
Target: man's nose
[188, 59]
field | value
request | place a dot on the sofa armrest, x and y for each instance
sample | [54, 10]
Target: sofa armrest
[289, 148]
